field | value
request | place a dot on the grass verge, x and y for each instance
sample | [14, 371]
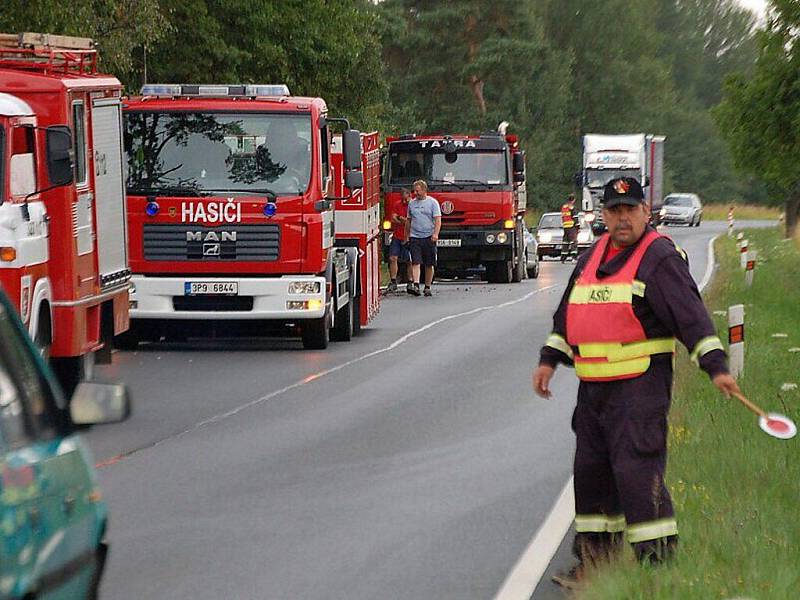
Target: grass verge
[736, 490]
[742, 212]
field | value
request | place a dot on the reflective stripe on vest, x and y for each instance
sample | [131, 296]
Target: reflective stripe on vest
[567, 220]
[600, 321]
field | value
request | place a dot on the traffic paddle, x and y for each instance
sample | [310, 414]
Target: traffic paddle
[774, 424]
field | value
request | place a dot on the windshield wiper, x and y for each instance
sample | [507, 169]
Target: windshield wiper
[475, 182]
[266, 191]
[174, 190]
[446, 182]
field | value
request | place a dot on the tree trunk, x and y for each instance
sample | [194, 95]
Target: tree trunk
[791, 207]
[475, 82]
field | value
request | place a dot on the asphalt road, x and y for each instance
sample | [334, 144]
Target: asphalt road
[411, 463]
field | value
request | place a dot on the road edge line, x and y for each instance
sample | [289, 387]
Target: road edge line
[521, 582]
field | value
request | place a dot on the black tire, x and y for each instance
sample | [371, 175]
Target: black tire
[315, 333]
[343, 325]
[70, 371]
[500, 271]
[519, 270]
[534, 272]
[43, 341]
[128, 340]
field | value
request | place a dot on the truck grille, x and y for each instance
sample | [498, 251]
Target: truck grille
[225, 243]
[212, 303]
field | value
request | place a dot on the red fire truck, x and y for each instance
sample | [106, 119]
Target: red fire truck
[479, 182]
[233, 215]
[63, 256]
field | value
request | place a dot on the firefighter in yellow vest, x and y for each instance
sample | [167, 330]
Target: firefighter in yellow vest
[628, 301]
[570, 225]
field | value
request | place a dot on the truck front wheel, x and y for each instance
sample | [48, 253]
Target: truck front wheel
[71, 370]
[343, 326]
[315, 333]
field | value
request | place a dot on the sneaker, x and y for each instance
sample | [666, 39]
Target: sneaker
[428, 292]
[413, 289]
[392, 287]
[571, 579]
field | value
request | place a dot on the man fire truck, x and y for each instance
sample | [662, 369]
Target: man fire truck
[233, 219]
[479, 182]
[63, 257]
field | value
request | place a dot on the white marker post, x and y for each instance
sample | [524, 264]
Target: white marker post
[736, 339]
[743, 253]
[730, 223]
[750, 267]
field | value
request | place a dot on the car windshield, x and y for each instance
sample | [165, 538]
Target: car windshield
[550, 221]
[678, 201]
[198, 153]
[437, 168]
[597, 178]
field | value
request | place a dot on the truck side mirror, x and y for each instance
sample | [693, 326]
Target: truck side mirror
[354, 180]
[578, 179]
[518, 166]
[645, 181]
[351, 148]
[23, 175]
[59, 154]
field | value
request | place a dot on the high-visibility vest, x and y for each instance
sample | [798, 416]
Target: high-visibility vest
[567, 220]
[600, 320]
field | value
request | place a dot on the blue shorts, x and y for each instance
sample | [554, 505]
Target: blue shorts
[400, 249]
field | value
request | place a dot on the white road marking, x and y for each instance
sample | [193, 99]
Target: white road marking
[315, 376]
[521, 582]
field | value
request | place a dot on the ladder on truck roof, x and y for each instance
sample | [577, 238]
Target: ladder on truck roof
[47, 53]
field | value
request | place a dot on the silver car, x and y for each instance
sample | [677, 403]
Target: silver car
[681, 209]
[531, 253]
[550, 234]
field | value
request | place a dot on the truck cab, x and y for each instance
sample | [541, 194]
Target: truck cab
[231, 212]
[479, 184]
[62, 229]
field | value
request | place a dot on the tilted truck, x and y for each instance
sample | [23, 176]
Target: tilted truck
[233, 217]
[479, 182]
[63, 256]
[606, 157]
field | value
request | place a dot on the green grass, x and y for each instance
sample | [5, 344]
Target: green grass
[736, 490]
[742, 212]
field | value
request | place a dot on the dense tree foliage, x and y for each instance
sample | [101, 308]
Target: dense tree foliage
[760, 115]
[555, 69]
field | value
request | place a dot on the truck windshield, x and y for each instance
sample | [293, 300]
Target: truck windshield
[440, 169]
[207, 153]
[596, 178]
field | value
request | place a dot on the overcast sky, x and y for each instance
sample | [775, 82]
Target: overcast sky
[757, 6]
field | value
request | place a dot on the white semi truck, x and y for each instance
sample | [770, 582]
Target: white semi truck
[606, 157]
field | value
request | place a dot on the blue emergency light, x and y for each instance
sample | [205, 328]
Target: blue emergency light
[218, 91]
[270, 208]
[152, 208]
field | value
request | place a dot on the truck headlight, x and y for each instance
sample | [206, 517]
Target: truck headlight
[490, 238]
[545, 237]
[304, 287]
[502, 238]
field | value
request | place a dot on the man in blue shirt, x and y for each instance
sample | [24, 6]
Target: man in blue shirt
[426, 221]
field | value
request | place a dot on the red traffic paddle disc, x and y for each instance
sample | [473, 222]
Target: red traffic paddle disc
[777, 425]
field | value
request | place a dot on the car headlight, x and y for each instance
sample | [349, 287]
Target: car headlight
[490, 238]
[589, 217]
[662, 212]
[545, 237]
[502, 238]
[584, 236]
[304, 287]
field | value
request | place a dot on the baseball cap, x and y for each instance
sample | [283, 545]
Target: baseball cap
[623, 190]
